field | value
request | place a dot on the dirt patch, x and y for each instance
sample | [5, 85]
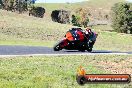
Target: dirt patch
[123, 66]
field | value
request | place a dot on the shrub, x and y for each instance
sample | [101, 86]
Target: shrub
[1, 4]
[75, 20]
[80, 18]
[122, 17]
[37, 11]
[61, 16]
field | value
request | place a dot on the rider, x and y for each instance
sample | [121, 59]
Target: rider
[91, 36]
[77, 34]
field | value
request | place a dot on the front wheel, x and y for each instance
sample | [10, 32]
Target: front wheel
[57, 48]
[60, 45]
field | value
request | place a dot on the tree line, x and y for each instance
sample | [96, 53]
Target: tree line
[22, 6]
[121, 13]
[16, 5]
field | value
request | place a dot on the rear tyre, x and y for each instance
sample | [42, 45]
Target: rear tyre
[89, 49]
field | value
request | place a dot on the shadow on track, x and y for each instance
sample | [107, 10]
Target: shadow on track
[94, 51]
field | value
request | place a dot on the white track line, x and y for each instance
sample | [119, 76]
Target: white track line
[64, 54]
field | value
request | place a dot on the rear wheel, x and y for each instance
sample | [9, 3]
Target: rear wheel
[89, 49]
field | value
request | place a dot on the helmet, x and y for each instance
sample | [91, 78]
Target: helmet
[88, 31]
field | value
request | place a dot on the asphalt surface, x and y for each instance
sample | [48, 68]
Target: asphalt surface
[6, 50]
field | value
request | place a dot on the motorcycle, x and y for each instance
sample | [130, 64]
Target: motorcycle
[75, 45]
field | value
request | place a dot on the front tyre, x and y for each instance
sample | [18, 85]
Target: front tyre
[56, 48]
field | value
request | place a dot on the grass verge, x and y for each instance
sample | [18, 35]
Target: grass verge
[56, 72]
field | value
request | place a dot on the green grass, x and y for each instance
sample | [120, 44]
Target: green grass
[105, 4]
[112, 40]
[95, 4]
[54, 71]
[11, 40]
[20, 29]
[59, 71]
[27, 43]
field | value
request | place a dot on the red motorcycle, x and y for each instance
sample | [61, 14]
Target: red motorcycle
[81, 44]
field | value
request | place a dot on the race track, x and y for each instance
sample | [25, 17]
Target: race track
[6, 50]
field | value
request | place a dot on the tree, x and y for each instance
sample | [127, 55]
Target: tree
[80, 18]
[122, 17]
[1, 3]
[16, 5]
